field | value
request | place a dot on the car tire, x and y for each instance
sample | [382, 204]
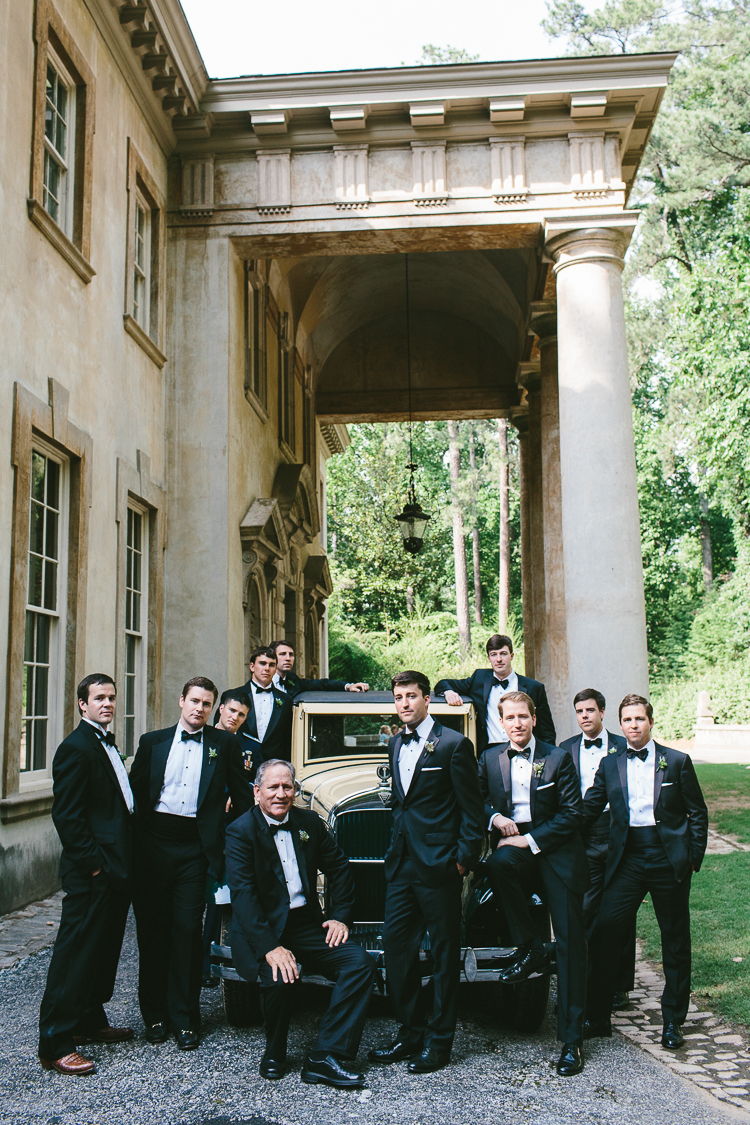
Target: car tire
[241, 997]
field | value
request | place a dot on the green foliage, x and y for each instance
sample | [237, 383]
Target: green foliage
[727, 792]
[433, 56]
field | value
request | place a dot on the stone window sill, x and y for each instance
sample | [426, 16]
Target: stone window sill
[60, 240]
[133, 328]
[24, 806]
[256, 404]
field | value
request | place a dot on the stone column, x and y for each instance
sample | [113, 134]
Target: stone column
[543, 322]
[529, 377]
[604, 601]
[520, 420]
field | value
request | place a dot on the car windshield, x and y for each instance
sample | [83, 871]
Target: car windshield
[346, 736]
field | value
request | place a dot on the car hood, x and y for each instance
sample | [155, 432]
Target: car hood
[327, 790]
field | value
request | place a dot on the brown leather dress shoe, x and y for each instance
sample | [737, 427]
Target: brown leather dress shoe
[69, 1064]
[106, 1035]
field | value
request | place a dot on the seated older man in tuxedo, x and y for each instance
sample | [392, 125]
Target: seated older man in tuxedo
[274, 853]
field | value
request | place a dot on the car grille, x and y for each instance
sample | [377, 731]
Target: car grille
[364, 833]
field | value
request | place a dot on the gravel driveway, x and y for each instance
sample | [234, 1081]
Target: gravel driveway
[496, 1075]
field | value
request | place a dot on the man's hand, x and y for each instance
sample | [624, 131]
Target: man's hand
[228, 805]
[513, 842]
[358, 687]
[337, 933]
[95, 873]
[283, 961]
[453, 699]
[504, 825]
[462, 870]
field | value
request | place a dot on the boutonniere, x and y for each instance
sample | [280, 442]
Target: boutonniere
[429, 747]
[123, 754]
[661, 764]
[612, 750]
[538, 768]
[303, 837]
[278, 702]
[211, 754]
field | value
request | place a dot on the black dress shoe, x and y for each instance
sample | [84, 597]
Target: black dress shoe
[187, 1040]
[531, 962]
[570, 1061]
[672, 1037]
[597, 1029]
[271, 1068]
[395, 1052]
[157, 1033]
[331, 1071]
[208, 981]
[428, 1061]
[620, 1001]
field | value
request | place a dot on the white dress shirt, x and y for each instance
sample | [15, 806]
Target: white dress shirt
[495, 729]
[641, 777]
[409, 755]
[520, 792]
[118, 767]
[182, 776]
[263, 702]
[278, 683]
[288, 856]
[588, 760]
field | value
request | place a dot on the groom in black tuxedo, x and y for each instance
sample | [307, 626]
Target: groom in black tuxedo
[179, 777]
[437, 839]
[534, 812]
[487, 686]
[269, 722]
[274, 854]
[93, 813]
[657, 839]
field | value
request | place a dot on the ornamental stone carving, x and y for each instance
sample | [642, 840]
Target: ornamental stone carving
[274, 181]
[350, 170]
[508, 170]
[587, 178]
[428, 161]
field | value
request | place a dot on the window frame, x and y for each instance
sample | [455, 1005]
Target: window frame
[139, 636]
[143, 191]
[287, 362]
[71, 238]
[256, 333]
[51, 151]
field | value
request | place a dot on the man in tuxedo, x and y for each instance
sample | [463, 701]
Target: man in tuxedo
[587, 751]
[269, 721]
[487, 686]
[286, 679]
[179, 777]
[234, 708]
[93, 813]
[274, 854]
[657, 839]
[437, 838]
[534, 810]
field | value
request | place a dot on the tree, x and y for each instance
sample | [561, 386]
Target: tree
[503, 594]
[475, 529]
[434, 56]
[459, 545]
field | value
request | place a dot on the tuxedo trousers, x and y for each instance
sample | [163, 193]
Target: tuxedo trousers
[516, 874]
[348, 965]
[597, 848]
[168, 900]
[411, 910]
[643, 869]
[81, 975]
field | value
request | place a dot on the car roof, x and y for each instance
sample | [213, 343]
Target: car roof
[372, 697]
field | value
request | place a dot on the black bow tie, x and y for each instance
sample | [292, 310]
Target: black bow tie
[642, 754]
[503, 683]
[263, 690]
[589, 742]
[525, 753]
[409, 736]
[191, 736]
[274, 828]
[107, 738]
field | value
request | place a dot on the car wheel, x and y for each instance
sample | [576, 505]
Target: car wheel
[241, 997]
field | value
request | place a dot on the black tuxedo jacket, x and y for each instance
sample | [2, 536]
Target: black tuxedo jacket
[223, 771]
[260, 899]
[440, 817]
[89, 810]
[278, 738]
[556, 807]
[679, 809]
[479, 685]
[573, 746]
[295, 684]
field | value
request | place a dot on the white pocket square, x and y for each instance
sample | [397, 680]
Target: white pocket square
[430, 769]
[547, 786]
[664, 784]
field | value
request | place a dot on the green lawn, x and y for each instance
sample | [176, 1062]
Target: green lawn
[719, 901]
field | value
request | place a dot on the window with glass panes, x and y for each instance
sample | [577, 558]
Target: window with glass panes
[41, 669]
[141, 262]
[136, 591]
[59, 140]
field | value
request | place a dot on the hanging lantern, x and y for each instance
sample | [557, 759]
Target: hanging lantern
[412, 521]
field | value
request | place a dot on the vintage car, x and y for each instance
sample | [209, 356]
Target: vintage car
[340, 754]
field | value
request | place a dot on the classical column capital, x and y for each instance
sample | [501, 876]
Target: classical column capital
[588, 244]
[519, 417]
[528, 375]
[542, 321]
